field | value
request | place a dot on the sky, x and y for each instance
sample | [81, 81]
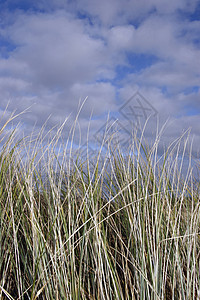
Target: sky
[134, 60]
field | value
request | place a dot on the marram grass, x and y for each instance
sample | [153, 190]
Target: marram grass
[117, 228]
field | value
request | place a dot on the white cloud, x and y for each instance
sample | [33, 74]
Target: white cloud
[178, 62]
[56, 49]
[121, 37]
[59, 58]
[117, 12]
[55, 61]
[101, 97]
[175, 77]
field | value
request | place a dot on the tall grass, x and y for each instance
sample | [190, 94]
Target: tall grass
[125, 227]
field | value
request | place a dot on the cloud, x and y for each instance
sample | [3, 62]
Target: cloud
[54, 63]
[56, 48]
[58, 52]
[178, 62]
[117, 12]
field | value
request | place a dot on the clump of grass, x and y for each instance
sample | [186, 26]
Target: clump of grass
[125, 227]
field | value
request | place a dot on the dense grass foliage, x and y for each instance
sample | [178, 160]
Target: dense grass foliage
[111, 227]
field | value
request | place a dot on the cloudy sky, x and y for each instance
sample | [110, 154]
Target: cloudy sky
[54, 53]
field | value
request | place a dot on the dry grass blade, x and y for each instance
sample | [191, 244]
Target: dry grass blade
[115, 227]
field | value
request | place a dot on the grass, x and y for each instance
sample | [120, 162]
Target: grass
[125, 227]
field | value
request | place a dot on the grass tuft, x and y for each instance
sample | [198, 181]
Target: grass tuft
[116, 227]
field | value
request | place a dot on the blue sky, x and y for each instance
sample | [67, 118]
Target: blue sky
[55, 53]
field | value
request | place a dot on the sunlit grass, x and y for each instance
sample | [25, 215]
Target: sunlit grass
[114, 227]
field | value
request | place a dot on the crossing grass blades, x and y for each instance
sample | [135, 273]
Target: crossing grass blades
[127, 227]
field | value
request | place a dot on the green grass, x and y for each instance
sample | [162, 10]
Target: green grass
[126, 227]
